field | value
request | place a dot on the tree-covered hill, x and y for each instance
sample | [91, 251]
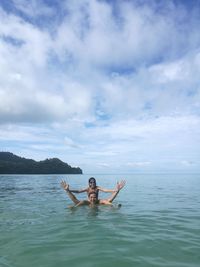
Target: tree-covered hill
[12, 164]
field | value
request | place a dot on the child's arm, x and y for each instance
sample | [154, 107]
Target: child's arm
[79, 191]
[106, 190]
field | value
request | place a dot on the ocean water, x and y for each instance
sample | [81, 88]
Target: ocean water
[157, 225]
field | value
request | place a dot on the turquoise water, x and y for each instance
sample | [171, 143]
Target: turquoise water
[157, 225]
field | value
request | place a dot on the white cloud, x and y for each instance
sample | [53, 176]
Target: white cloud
[138, 164]
[70, 143]
[33, 8]
[75, 90]
[103, 165]
[187, 163]
[107, 85]
[136, 36]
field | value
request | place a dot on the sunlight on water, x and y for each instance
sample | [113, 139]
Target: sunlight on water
[157, 225]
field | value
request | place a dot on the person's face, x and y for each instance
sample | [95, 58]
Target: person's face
[92, 184]
[93, 198]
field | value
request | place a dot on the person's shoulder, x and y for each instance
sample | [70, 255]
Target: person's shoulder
[104, 202]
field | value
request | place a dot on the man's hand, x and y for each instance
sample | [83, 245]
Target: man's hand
[120, 185]
[64, 185]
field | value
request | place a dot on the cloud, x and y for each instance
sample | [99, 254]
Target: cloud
[58, 68]
[138, 164]
[187, 163]
[106, 82]
[33, 8]
[103, 165]
[93, 28]
[70, 143]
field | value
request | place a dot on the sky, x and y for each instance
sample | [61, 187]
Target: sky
[109, 86]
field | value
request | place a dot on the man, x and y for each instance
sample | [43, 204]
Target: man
[92, 198]
[92, 188]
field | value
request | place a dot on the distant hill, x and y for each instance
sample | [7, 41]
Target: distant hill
[12, 164]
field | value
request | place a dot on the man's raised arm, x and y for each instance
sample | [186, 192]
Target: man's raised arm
[65, 186]
[120, 185]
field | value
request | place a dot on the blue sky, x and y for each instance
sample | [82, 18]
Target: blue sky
[110, 86]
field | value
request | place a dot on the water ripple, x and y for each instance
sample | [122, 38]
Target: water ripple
[157, 225]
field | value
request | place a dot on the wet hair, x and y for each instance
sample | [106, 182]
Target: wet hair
[92, 179]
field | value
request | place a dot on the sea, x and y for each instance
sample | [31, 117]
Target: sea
[158, 223]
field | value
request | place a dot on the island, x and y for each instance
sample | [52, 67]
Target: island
[13, 164]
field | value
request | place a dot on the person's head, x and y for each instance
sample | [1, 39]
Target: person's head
[93, 198]
[92, 182]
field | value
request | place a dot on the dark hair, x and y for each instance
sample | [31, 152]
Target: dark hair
[92, 179]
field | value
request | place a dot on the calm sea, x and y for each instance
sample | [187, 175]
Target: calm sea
[157, 225]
